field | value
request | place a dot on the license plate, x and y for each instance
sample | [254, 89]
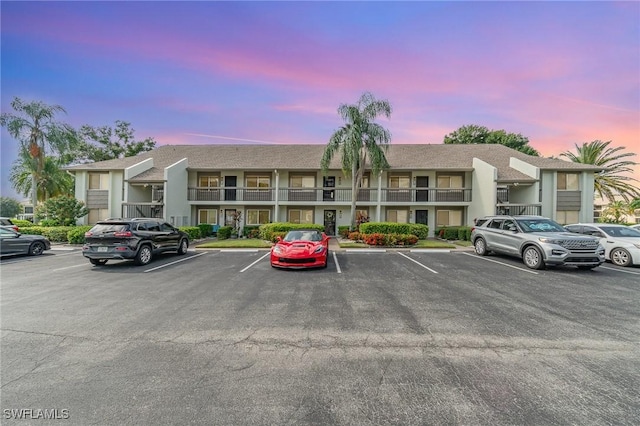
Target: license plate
[103, 248]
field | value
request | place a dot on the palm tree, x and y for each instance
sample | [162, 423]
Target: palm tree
[615, 163]
[358, 141]
[34, 127]
[51, 182]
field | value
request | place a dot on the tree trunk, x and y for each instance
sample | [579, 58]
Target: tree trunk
[34, 195]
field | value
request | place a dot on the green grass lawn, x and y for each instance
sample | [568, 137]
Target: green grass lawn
[353, 244]
[239, 243]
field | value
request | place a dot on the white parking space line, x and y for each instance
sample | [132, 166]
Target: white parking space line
[54, 248]
[177, 261]
[416, 262]
[501, 263]
[70, 267]
[335, 259]
[620, 270]
[266, 254]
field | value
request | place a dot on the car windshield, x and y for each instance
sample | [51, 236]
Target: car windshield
[303, 236]
[540, 225]
[620, 231]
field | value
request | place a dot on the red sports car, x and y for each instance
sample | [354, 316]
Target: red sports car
[302, 248]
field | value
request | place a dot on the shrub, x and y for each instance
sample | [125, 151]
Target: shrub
[267, 230]
[454, 233]
[385, 228]
[62, 210]
[375, 239]
[419, 230]
[343, 231]
[355, 236]
[76, 235]
[205, 229]
[55, 234]
[224, 232]
[47, 223]
[21, 223]
[192, 231]
[251, 231]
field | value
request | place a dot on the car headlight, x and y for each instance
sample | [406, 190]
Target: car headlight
[319, 249]
[277, 250]
[548, 240]
[637, 246]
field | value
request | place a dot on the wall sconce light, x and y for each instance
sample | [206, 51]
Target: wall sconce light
[340, 214]
[410, 213]
[339, 180]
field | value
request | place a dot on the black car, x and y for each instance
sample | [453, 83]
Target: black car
[139, 239]
[12, 242]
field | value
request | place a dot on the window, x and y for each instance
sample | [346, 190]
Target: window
[568, 181]
[364, 183]
[209, 216]
[567, 216]
[301, 215]
[454, 181]
[208, 181]
[258, 217]
[96, 215]
[258, 181]
[98, 180]
[302, 181]
[449, 218]
[399, 182]
[398, 216]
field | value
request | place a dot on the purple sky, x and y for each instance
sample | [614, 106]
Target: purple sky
[560, 73]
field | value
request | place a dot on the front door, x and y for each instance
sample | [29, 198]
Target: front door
[422, 216]
[422, 194]
[330, 222]
[230, 182]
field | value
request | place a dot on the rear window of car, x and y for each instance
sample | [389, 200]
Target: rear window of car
[103, 228]
[5, 221]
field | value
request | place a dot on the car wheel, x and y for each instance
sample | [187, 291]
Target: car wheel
[144, 255]
[36, 249]
[184, 245]
[481, 246]
[620, 257]
[98, 262]
[532, 257]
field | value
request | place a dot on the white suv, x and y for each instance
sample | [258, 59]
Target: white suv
[539, 241]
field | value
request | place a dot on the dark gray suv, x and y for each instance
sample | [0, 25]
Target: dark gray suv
[139, 239]
[539, 241]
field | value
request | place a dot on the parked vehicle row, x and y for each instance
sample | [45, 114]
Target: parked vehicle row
[139, 239]
[539, 241]
[12, 242]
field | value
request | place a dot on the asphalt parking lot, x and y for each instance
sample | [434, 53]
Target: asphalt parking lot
[398, 337]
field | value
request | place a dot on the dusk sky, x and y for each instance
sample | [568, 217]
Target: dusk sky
[560, 73]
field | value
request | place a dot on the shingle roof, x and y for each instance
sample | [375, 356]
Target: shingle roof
[305, 157]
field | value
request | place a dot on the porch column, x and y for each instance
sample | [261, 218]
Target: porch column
[277, 190]
[379, 197]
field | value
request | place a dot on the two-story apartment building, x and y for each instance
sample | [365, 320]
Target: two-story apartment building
[437, 185]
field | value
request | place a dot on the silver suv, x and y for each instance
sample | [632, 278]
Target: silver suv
[537, 240]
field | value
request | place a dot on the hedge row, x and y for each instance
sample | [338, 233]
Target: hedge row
[417, 229]
[270, 231]
[461, 233]
[75, 234]
[378, 239]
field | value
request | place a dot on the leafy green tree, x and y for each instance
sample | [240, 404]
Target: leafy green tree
[358, 141]
[63, 210]
[107, 143]
[50, 182]
[612, 181]
[474, 134]
[9, 207]
[34, 126]
[635, 204]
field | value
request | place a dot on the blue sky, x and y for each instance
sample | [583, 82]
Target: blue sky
[560, 73]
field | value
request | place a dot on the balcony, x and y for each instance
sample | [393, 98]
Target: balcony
[519, 209]
[328, 195]
[142, 210]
